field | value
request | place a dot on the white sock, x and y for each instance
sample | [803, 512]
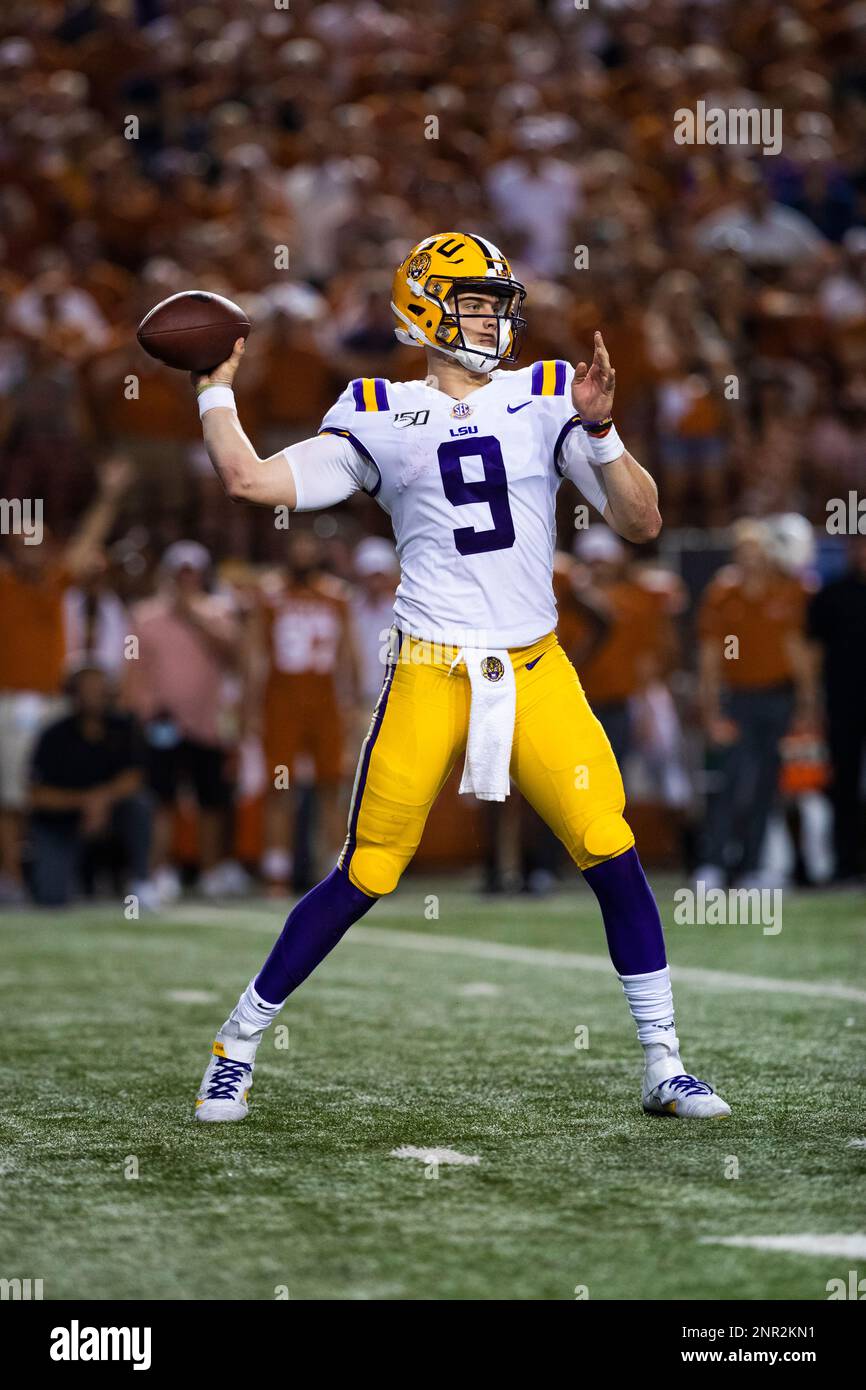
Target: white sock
[651, 1002]
[252, 1013]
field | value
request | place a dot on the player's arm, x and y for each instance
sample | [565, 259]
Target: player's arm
[632, 500]
[713, 624]
[114, 479]
[315, 473]
[349, 646]
[805, 669]
[632, 496]
[254, 660]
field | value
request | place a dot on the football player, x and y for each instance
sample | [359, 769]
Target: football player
[467, 463]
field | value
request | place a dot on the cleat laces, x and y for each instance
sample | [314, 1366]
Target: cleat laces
[226, 1077]
[688, 1085]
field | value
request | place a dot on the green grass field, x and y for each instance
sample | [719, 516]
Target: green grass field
[456, 1032]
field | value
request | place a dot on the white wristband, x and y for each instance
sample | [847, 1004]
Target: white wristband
[214, 396]
[606, 449]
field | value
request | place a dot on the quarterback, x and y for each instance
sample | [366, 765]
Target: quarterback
[467, 464]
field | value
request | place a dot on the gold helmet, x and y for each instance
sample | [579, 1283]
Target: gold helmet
[424, 298]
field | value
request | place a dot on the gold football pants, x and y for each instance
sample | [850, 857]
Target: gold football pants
[561, 759]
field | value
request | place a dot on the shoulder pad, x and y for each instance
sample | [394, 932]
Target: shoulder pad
[370, 393]
[548, 378]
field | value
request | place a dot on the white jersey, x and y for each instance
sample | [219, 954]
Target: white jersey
[471, 488]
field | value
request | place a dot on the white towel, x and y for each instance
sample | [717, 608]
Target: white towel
[491, 721]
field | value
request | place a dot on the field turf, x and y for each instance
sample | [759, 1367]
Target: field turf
[452, 1031]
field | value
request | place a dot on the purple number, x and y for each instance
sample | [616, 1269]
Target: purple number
[493, 490]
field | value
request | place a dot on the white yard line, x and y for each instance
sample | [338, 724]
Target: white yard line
[393, 939]
[849, 1247]
[434, 1156]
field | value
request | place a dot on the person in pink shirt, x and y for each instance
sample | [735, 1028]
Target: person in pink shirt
[187, 653]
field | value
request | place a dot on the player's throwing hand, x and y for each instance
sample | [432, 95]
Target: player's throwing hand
[224, 374]
[593, 387]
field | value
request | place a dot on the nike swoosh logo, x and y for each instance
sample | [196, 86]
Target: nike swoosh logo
[535, 660]
[513, 409]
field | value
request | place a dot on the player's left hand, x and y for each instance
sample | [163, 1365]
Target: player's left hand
[593, 387]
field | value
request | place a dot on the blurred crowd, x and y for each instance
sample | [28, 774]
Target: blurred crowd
[203, 717]
[288, 157]
[238, 695]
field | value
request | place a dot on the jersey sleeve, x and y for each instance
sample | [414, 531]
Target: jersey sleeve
[326, 470]
[358, 418]
[571, 460]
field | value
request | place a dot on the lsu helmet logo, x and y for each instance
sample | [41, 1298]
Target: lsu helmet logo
[419, 265]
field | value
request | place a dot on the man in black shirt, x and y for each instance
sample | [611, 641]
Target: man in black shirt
[837, 623]
[87, 783]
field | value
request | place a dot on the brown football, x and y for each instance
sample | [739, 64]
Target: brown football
[194, 331]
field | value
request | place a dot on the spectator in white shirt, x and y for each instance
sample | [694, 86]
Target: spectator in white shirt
[763, 232]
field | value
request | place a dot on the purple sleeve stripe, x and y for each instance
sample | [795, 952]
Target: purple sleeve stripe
[358, 393]
[362, 450]
[537, 379]
[569, 425]
[559, 387]
[381, 394]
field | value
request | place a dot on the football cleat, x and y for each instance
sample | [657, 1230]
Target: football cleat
[226, 1083]
[686, 1098]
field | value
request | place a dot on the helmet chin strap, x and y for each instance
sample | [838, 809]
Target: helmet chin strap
[475, 360]
[481, 359]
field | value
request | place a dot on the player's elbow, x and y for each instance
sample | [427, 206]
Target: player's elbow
[241, 482]
[238, 487]
[652, 524]
[643, 527]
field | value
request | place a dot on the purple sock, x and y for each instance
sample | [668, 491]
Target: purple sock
[631, 918]
[313, 928]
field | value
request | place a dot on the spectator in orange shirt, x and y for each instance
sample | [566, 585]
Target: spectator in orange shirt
[755, 676]
[611, 628]
[33, 580]
[691, 361]
[303, 673]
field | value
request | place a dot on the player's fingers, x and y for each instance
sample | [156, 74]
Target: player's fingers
[580, 371]
[226, 370]
[600, 355]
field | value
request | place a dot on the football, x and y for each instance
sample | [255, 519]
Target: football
[193, 331]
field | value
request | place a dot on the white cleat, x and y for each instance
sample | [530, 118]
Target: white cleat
[686, 1098]
[225, 1086]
